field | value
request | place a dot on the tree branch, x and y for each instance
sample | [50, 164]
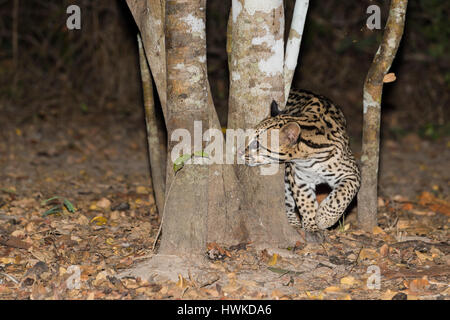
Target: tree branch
[373, 87]
[157, 159]
[293, 43]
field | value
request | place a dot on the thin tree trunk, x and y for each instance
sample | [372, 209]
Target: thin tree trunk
[373, 87]
[149, 16]
[293, 44]
[156, 156]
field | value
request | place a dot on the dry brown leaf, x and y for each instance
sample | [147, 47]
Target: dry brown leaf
[142, 190]
[332, 289]
[348, 281]
[368, 254]
[418, 285]
[390, 77]
[314, 297]
[103, 203]
[273, 260]
[423, 257]
[403, 223]
[182, 282]
[381, 202]
[434, 204]
[377, 230]
[407, 206]
[384, 250]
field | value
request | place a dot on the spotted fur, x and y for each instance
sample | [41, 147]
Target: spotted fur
[314, 145]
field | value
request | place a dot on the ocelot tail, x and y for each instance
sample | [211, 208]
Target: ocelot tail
[314, 145]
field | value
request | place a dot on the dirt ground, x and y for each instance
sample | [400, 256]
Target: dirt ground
[99, 165]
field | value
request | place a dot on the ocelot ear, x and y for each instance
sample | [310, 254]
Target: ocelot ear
[274, 109]
[289, 133]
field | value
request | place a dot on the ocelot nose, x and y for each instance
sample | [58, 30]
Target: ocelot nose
[241, 153]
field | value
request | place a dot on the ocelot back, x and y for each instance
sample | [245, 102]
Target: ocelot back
[314, 145]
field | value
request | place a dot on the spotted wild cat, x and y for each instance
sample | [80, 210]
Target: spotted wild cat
[314, 145]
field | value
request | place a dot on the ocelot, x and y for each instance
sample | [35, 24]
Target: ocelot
[314, 145]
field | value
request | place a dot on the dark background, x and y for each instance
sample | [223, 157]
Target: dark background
[59, 73]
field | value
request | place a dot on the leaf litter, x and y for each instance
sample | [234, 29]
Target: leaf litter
[106, 221]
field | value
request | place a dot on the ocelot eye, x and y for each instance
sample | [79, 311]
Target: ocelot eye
[253, 145]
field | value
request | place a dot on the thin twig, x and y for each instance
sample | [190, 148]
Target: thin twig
[164, 211]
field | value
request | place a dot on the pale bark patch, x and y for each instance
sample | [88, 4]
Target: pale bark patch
[253, 6]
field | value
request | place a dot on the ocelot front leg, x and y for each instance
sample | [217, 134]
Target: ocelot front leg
[332, 208]
[304, 195]
[291, 207]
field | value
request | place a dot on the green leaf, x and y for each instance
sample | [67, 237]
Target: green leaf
[201, 154]
[45, 202]
[69, 206]
[55, 209]
[6, 190]
[179, 163]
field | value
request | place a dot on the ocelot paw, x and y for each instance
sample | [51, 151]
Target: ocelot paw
[326, 219]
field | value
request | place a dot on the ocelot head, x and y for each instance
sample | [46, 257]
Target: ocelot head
[274, 140]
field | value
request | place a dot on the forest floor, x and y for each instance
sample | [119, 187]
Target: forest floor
[101, 168]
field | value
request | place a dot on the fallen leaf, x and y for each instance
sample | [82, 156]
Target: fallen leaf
[407, 206]
[384, 250]
[348, 281]
[103, 203]
[99, 220]
[332, 289]
[434, 204]
[314, 297]
[182, 283]
[7, 260]
[403, 223]
[418, 285]
[423, 257]
[368, 254]
[273, 260]
[377, 230]
[142, 190]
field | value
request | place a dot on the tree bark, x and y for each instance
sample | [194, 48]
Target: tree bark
[373, 87]
[293, 45]
[208, 203]
[156, 153]
[149, 16]
[256, 68]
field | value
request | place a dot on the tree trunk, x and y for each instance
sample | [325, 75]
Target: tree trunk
[256, 68]
[373, 87]
[156, 153]
[293, 44]
[222, 203]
